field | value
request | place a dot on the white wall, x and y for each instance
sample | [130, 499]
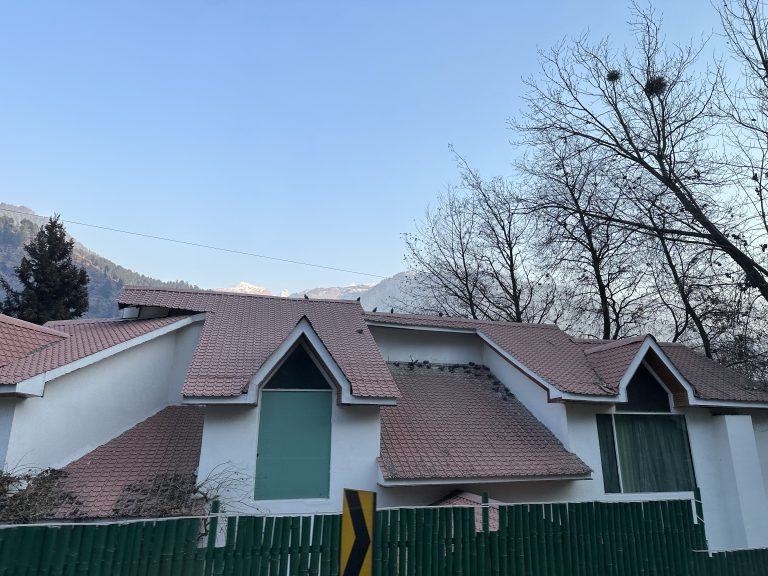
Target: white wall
[88, 407]
[742, 490]
[760, 424]
[184, 348]
[399, 344]
[7, 408]
[230, 438]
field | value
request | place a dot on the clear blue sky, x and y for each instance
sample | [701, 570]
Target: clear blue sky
[309, 130]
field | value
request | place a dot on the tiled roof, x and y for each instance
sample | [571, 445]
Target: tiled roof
[711, 380]
[459, 498]
[611, 360]
[164, 446]
[242, 331]
[459, 423]
[18, 338]
[543, 348]
[85, 337]
[588, 366]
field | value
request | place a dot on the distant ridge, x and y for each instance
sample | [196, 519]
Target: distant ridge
[389, 293]
[18, 224]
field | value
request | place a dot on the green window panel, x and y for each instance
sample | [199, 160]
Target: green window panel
[608, 454]
[651, 453]
[294, 447]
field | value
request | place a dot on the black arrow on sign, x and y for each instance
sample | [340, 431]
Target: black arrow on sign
[362, 539]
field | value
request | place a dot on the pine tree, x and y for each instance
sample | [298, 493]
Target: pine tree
[52, 286]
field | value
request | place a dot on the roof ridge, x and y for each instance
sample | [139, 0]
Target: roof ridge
[31, 326]
[228, 293]
[617, 344]
[459, 319]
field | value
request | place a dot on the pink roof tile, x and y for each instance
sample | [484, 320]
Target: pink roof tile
[242, 331]
[81, 338]
[18, 338]
[455, 424]
[163, 445]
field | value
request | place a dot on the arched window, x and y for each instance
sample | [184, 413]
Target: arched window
[294, 445]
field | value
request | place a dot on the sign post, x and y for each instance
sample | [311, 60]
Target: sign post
[357, 520]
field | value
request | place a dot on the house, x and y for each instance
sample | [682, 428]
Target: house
[292, 400]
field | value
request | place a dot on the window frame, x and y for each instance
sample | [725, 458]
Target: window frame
[612, 412]
[332, 390]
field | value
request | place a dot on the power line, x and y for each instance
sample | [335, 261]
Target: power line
[207, 246]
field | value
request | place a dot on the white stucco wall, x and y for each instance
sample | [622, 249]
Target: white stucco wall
[230, 439]
[400, 344]
[760, 424]
[742, 521]
[88, 407]
[7, 409]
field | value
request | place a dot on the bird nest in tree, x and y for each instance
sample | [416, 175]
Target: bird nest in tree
[655, 86]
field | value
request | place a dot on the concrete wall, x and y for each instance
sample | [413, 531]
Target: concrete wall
[438, 347]
[230, 439]
[88, 407]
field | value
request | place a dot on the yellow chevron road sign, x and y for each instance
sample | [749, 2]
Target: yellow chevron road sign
[357, 519]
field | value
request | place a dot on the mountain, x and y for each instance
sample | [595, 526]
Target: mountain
[246, 288]
[18, 224]
[388, 293]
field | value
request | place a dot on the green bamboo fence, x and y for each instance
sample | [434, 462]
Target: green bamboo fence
[642, 538]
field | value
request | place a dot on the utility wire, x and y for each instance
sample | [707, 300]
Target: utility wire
[207, 246]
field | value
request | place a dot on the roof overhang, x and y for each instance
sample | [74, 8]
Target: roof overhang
[483, 480]
[649, 353]
[302, 334]
[682, 392]
[35, 386]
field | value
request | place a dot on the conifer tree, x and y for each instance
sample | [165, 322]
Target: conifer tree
[52, 286]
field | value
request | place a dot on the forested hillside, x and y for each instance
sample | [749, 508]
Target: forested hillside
[106, 277]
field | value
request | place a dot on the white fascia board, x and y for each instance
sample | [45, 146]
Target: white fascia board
[650, 344]
[589, 398]
[329, 367]
[729, 404]
[464, 481]
[553, 394]
[8, 390]
[35, 386]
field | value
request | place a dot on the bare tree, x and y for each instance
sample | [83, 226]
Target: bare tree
[654, 116]
[470, 256]
[597, 258]
[443, 251]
